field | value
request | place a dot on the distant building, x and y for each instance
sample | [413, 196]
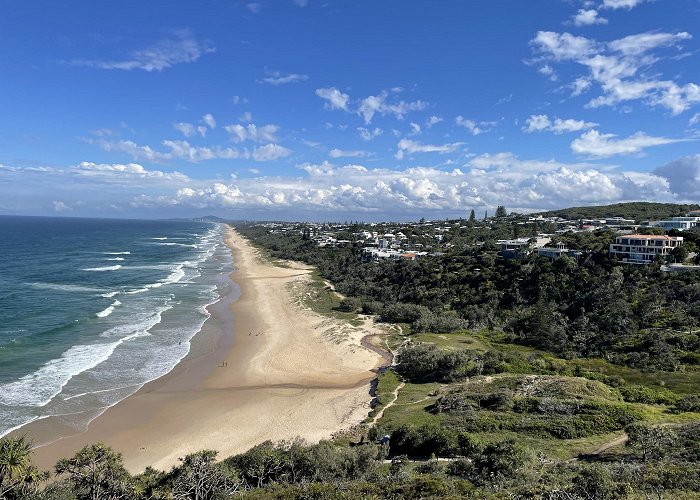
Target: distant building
[678, 223]
[643, 248]
[558, 252]
[514, 249]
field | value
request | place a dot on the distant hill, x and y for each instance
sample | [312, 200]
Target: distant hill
[210, 218]
[639, 211]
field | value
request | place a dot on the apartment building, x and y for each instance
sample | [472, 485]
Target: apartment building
[643, 248]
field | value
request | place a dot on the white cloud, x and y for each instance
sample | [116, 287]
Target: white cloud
[209, 120]
[595, 144]
[254, 7]
[485, 181]
[475, 128]
[409, 146]
[415, 129]
[369, 134]
[588, 17]
[563, 46]
[181, 48]
[251, 132]
[683, 176]
[694, 120]
[186, 129]
[643, 42]
[620, 68]
[547, 71]
[432, 121]
[370, 106]
[341, 153]
[277, 78]
[59, 206]
[177, 150]
[334, 98]
[270, 152]
[539, 123]
[621, 4]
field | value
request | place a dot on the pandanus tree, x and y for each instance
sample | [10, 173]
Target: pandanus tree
[18, 476]
[97, 473]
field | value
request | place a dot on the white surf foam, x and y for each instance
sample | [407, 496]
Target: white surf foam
[40, 387]
[116, 258]
[66, 287]
[104, 268]
[117, 253]
[109, 310]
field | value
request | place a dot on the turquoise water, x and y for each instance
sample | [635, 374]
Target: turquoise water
[90, 310]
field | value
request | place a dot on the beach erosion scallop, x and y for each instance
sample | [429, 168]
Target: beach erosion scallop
[91, 310]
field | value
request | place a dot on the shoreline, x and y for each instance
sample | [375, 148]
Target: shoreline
[289, 376]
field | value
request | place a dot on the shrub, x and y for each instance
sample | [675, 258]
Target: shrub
[647, 395]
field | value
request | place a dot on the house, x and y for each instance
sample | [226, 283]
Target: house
[643, 248]
[558, 252]
[513, 249]
[678, 223]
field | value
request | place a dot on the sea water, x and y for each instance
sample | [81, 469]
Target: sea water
[91, 310]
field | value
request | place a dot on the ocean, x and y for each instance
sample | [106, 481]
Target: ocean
[91, 310]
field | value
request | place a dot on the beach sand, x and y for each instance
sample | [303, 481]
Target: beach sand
[270, 370]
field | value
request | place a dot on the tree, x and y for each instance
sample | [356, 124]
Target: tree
[201, 478]
[652, 442]
[97, 473]
[501, 211]
[472, 216]
[18, 475]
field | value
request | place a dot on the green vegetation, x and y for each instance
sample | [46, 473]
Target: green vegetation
[639, 211]
[572, 379]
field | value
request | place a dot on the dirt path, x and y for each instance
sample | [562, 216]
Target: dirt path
[389, 404]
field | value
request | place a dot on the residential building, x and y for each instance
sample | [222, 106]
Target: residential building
[513, 249]
[558, 252]
[643, 248]
[678, 223]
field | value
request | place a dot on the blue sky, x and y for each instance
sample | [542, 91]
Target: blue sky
[323, 109]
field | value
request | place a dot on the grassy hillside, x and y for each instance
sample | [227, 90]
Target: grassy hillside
[639, 211]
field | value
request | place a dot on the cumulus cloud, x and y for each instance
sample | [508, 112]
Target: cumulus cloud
[485, 181]
[683, 176]
[369, 134]
[209, 120]
[369, 107]
[540, 123]
[251, 132]
[270, 152]
[432, 121]
[594, 143]
[619, 68]
[334, 98]
[176, 150]
[409, 146]
[588, 17]
[474, 128]
[182, 47]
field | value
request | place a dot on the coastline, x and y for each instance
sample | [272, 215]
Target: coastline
[262, 368]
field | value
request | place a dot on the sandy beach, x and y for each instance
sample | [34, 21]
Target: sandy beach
[270, 369]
